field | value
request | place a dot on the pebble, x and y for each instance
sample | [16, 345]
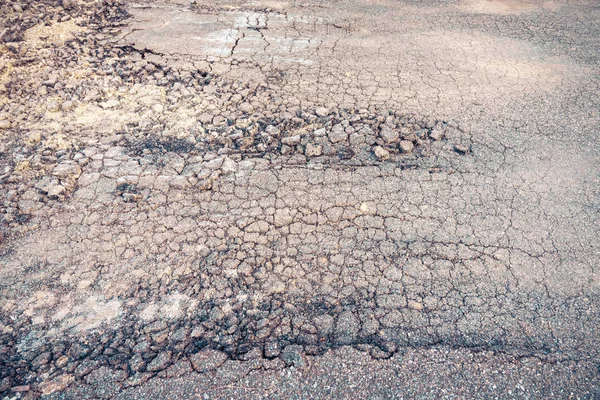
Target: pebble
[66, 169]
[272, 349]
[55, 191]
[229, 166]
[42, 359]
[381, 153]
[313, 150]
[322, 112]
[52, 106]
[346, 328]
[406, 146]
[246, 108]
[207, 360]
[388, 134]
[461, 149]
[320, 132]
[436, 134]
[291, 140]
[67, 105]
[160, 362]
[20, 389]
[337, 134]
[292, 356]
[415, 305]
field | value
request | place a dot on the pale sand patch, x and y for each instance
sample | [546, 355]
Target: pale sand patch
[57, 34]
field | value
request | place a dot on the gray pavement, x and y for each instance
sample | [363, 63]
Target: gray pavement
[372, 199]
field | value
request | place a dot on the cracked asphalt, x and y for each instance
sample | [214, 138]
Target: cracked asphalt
[269, 199]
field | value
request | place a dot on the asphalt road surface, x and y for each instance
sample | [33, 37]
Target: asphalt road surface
[285, 199]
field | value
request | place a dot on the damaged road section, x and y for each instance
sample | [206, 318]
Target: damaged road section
[162, 216]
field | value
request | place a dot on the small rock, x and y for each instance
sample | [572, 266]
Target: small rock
[407, 146]
[320, 132]
[313, 150]
[6, 381]
[324, 324]
[160, 362]
[57, 384]
[388, 134]
[214, 164]
[131, 197]
[42, 359]
[322, 112]
[55, 191]
[461, 149]
[272, 131]
[67, 105]
[229, 166]
[292, 356]
[436, 134]
[5, 124]
[205, 118]
[20, 389]
[33, 138]
[246, 108]
[346, 328]
[291, 140]
[218, 120]
[381, 153]
[66, 169]
[1, 237]
[272, 350]
[282, 217]
[112, 103]
[136, 363]
[337, 134]
[415, 305]
[62, 361]
[52, 106]
[207, 360]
